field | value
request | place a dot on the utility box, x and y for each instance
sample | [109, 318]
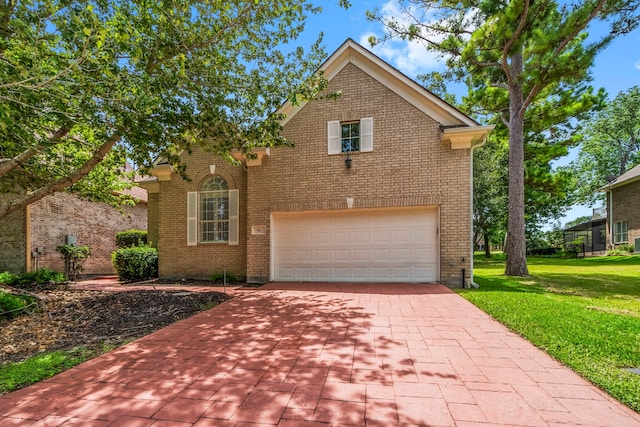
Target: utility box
[70, 239]
[637, 245]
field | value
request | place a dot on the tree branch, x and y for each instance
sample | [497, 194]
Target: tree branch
[64, 182]
[7, 165]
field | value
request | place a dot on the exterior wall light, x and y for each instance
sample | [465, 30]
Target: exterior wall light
[347, 162]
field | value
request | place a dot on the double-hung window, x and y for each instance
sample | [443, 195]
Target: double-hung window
[620, 234]
[213, 223]
[212, 213]
[350, 136]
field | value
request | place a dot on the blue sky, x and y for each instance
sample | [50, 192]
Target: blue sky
[616, 69]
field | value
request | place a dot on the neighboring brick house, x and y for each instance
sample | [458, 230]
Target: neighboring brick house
[623, 209]
[376, 189]
[29, 237]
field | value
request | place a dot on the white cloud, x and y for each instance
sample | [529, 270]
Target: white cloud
[410, 57]
[637, 64]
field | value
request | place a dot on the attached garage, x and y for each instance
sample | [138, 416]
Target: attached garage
[372, 245]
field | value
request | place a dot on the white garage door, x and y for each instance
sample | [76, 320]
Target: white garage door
[378, 245]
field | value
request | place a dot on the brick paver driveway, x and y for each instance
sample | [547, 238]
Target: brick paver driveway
[320, 355]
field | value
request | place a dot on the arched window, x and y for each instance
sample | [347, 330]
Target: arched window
[213, 212]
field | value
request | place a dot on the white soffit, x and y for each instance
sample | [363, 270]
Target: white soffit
[466, 137]
[406, 88]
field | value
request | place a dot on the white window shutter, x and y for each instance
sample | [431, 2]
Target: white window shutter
[333, 132]
[366, 134]
[234, 235]
[192, 218]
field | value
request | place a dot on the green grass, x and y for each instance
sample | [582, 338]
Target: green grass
[583, 312]
[21, 374]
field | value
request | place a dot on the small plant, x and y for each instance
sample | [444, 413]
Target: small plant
[219, 278]
[12, 305]
[129, 238]
[33, 280]
[135, 263]
[74, 259]
[7, 278]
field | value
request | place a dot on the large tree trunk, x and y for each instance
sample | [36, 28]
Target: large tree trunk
[487, 248]
[516, 240]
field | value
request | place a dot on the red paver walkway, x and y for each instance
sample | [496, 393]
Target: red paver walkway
[323, 355]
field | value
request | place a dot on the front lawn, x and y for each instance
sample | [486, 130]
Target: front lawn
[583, 312]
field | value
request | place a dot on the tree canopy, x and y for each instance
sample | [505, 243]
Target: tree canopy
[521, 59]
[610, 145]
[85, 85]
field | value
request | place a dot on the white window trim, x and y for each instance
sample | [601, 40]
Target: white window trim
[616, 232]
[334, 141]
[192, 219]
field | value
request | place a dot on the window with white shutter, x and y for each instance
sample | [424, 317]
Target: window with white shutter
[212, 213]
[350, 136]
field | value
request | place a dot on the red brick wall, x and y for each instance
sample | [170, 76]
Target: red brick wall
[93, 224]
[626, 207]
[176, 259]
[13, 242]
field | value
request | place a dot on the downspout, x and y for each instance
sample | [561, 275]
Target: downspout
[27, 238]
[610, 215]
[471, 282]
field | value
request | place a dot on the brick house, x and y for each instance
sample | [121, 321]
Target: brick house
[377, 188]
[623, 209]
[29, 237]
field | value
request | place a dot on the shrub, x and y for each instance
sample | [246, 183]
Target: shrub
[33, 280]
[129, 238]
[7, 278]
[74, 259]
[623, 249]
[12, 305]
[626, 247]
[135, 263]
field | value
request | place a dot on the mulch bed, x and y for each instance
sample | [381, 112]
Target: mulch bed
[67, 319]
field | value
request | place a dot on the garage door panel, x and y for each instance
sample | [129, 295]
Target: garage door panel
[304, 255]
[359, 255]
[304, 239]
[379, 255]
[340, 255]
[323, 255]
[376, 245]
[322, 238]
[380, 236]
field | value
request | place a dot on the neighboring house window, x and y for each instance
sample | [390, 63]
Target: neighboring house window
[620, 232]
[212, 213]
[349, 136]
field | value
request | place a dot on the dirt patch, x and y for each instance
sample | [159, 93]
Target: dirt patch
[67, 319]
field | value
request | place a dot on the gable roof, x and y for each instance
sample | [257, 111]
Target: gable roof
[353, 53]
[628, 177]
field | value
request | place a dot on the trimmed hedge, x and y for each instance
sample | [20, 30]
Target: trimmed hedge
[135, 263]
[129, 238]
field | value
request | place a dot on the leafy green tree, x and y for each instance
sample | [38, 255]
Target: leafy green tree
[490, 193]
[610, 145]
[86, 84]
[577, 221]
[518, 58]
